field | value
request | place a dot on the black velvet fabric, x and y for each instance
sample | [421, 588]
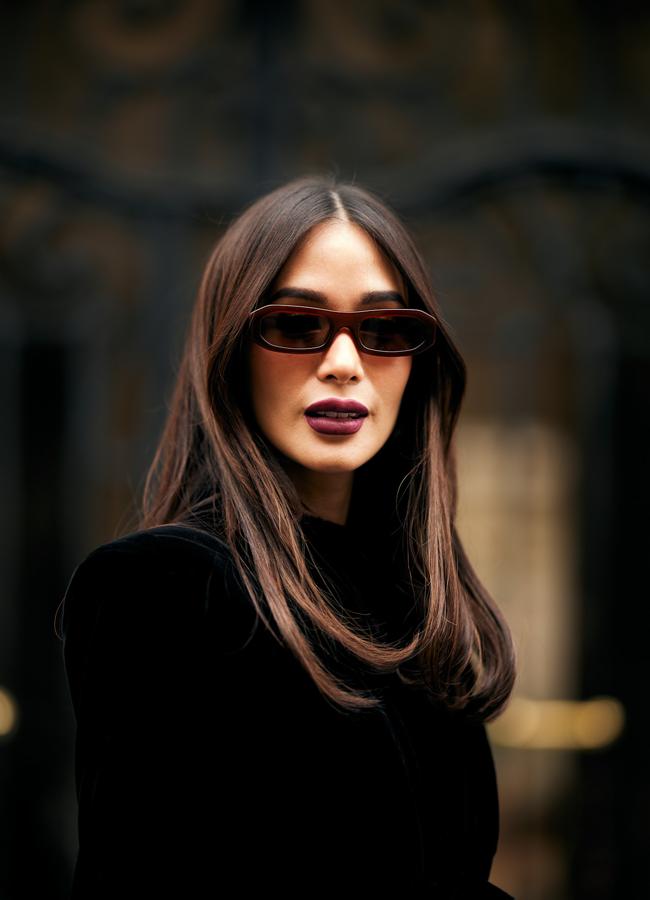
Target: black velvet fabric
[208, 764]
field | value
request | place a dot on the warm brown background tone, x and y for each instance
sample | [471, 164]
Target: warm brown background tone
[514, 139]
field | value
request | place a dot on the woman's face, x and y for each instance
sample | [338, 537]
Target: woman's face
[342, 263]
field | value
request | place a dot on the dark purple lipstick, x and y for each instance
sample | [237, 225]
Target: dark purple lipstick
[336, 416]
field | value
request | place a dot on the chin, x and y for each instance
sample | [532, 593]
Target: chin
[346, 462]
[334, 470]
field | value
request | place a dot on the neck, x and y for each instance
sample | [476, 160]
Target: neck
[325, 494]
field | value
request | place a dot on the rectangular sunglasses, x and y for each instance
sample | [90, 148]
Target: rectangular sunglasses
[306, 329]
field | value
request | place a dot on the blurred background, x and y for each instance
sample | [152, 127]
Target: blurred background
[513, 139]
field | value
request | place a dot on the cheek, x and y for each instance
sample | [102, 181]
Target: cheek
[275, 381]
[406, 371]
[393, 381]
[262, 380]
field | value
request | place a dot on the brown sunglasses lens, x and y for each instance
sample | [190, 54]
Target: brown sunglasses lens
[306, 331]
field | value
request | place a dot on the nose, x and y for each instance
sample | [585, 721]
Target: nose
[342, 357]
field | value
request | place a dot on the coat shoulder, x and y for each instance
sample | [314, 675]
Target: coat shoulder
[167, 546]
[165, 578]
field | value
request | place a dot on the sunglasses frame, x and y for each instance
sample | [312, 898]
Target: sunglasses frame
[347, 321]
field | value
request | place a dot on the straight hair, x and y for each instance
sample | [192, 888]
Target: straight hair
[214, 469]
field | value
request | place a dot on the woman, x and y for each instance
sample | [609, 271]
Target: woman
[281, 677]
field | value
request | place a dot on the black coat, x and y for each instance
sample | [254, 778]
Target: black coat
[208, 763]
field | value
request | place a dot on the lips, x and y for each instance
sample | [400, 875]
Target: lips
[335, 416]
[337, 405]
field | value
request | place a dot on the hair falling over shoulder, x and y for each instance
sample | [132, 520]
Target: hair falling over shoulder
[213, 469]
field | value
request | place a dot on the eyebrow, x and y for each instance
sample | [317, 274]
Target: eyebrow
[317, 297]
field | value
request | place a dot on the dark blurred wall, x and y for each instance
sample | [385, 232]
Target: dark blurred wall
[513, 139]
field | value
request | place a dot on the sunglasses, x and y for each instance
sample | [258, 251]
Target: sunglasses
[305, 329]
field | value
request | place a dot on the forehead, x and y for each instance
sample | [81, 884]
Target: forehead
[342, 257]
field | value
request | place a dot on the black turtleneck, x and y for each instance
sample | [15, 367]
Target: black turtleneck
[364, 567]
[208, 762]
[448, 760]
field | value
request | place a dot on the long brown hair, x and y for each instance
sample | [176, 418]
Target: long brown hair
[215, 469]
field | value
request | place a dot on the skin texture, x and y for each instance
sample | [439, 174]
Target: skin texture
[340, 260]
